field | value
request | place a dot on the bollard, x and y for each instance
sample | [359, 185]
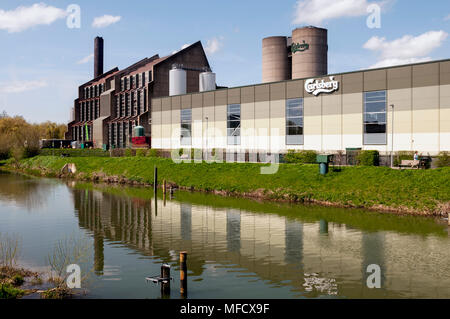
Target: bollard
[448, 220]
[165, 285]
[183, 274]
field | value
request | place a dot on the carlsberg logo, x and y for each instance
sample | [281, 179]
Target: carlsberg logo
[316, 87]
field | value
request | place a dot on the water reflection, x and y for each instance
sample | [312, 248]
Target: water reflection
[310, 255]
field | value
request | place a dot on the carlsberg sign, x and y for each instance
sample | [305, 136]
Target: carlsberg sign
[316, 87]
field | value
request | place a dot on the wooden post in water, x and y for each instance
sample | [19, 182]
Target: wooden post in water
[448, 220]
[183, 274]
[165, 285]
[155, 181]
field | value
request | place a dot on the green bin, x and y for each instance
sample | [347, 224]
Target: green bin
[324, 162]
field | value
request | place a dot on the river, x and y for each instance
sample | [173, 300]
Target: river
[237, 248]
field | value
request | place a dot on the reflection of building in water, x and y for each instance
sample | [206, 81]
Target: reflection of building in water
[277, 249]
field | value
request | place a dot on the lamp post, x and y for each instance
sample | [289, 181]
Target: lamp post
[206, 118]
[392, 137]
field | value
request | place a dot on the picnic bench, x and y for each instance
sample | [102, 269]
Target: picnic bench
[410, 164]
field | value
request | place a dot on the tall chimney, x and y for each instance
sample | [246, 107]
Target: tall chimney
[98, 56]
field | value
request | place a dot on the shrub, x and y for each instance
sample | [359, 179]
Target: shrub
[128, 152]
[403, 155]
[78, 152]
[368, 158]
[141, 152]
[300, 157]
[153, 153]
[443, 159]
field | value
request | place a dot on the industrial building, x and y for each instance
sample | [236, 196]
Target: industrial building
[298, 105]
[401, 108]
[113, 103]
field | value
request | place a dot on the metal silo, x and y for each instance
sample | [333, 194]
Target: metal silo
[207, 81]
[309, 52]
[177, 81]
[275, 61]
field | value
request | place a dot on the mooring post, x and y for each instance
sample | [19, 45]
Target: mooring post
[448, 219]
[165, 285]
[183, 274]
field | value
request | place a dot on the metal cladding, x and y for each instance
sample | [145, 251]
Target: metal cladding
[177, 81]
[98, 56]
[309, 52]
[207, 81]
[275, 60]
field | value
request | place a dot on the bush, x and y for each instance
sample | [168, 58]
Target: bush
[128, 152]
[403, 155]
[153, 153]
[443, 159]
[72, 152]
[301, 157]
[141, 152]
[368, 158]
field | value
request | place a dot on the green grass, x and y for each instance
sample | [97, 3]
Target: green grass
[8, 291]
[418, 190]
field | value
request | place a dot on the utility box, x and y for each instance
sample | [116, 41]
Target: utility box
[324, 162]
[324, 158]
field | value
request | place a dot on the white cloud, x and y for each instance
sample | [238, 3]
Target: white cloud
[214, 45]
[106, 20]
[87, 59]
[407, 49]
[315, 12]
[21, 86]
[23, 18]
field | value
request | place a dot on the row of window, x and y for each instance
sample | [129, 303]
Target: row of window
[120, 134]
[89, 111]
[131, 104]
[94, 91]
[135, 81]
[374, 121]
[80, 133]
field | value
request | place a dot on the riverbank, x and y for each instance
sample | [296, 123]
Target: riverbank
[418, 192]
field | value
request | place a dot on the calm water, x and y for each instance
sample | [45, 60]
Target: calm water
[237, 248]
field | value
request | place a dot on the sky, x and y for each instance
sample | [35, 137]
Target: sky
[46, 48]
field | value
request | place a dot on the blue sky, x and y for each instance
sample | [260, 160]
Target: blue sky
[40, 57]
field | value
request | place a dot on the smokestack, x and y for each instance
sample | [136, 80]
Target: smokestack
[98, 56]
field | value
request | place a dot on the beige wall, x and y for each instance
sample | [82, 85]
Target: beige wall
[332, 122]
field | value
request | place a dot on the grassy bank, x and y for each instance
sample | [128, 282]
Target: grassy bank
[408, 191]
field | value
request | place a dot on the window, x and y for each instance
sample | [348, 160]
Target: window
[375, 118]
[234, 124]
[186, 127]
[294, 122]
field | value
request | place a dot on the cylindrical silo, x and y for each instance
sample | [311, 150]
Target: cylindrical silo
[309, 52]
[207, 81]
[275, 61]
[177, 81]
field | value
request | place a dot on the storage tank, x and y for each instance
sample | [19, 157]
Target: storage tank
[177, 81]
[207, 81]
[138, 131]
[275, 61]
[309, 52]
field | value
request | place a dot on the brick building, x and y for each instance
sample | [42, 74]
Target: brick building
[109, 106]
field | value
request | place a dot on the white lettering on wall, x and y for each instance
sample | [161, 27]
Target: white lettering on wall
[316, 87]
